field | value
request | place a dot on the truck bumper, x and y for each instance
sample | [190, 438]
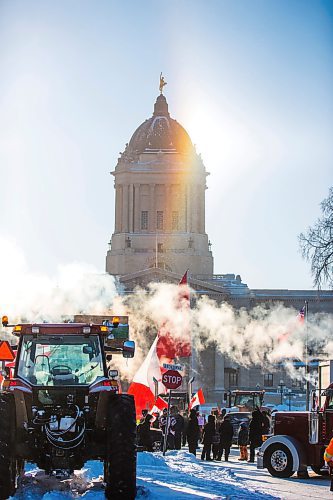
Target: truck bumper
[260, 460]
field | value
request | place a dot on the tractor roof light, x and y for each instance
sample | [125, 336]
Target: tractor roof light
[35, 329]
[115, 321]
[104, 328]
[17, 328]
[4, 320]
[86, 330]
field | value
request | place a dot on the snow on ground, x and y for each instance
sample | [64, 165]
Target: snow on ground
[180, 476]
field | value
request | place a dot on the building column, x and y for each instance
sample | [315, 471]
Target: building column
[125, 209]
[118, 205]
[167, 208]
[130, 208]
[189, 209]
[136, 214]
[152, 214]
[219, 371]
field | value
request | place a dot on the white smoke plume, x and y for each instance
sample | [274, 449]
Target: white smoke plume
[262, 336]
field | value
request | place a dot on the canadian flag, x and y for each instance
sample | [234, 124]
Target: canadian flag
[165, 349]
[197, 399]
[159, 405]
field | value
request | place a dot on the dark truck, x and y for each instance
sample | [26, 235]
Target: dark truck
[61, 408]
[299, 440]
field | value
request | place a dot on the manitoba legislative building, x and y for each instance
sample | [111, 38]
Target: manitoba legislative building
[159, 233]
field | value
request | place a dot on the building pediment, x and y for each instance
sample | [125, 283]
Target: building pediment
[156, 275]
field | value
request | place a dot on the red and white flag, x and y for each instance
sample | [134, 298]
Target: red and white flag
[165, 349]
[159, 405]
[197, 399]
[143, 386]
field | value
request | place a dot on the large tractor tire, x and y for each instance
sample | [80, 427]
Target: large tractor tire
[279, 461]
[120, 463]
[9, 467]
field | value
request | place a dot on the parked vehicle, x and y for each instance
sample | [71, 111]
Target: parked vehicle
[61, 409]
[298, 440]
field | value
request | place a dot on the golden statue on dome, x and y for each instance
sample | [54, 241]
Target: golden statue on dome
[162, 83]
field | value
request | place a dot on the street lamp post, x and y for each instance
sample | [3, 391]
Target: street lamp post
[281, 386]
[289, 399]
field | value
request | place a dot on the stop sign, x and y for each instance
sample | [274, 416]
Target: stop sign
[172, 379]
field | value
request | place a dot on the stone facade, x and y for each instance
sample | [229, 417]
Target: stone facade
[160, 185]
[159, 232]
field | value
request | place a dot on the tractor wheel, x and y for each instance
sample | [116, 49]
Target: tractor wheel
[120, 463]
[279, 461]
[9, 466]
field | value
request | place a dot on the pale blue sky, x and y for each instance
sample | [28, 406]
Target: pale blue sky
[251, 81]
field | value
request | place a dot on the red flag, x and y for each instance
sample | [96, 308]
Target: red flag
[165, 349]
[183, 281]
[197, 399]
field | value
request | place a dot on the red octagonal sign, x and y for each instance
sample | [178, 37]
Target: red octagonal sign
[172, 379]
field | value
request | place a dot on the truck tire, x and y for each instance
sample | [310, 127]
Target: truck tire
[8, 464]
[279, 461]
[120, 463]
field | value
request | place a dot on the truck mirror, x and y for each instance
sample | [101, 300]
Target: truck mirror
[113, 373]
[128, 349]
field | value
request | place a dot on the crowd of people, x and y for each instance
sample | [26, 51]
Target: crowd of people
[216, 435]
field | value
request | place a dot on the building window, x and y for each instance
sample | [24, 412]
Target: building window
[175, 221]
[159, 220]
[160, 247]
[144, 219]
[233, 378]
[268, 379]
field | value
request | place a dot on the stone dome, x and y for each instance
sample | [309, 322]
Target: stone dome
[160, 133]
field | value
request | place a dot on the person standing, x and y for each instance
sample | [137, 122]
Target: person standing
[193, 432]
[144, 434]
[328, 457]
[242, 441]
[179, 426]
[255, 432]
[168, 427]
[207, 438]
[266, 422]
[226, 434]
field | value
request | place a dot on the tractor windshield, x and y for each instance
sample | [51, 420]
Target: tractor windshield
[248, 401]
[60, 360]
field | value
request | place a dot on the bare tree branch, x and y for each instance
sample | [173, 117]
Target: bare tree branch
[317, 244]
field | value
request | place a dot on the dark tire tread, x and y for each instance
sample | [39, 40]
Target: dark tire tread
[120, 476]
[7, 461]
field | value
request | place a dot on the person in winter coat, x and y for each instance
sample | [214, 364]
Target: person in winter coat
[218, 421]
[144, 434]
[179, 426]
[193, 432]
[328, 457]
[171, 428]
[207, 438]
[266, 422]
[242, 441]
[226, 434]
[255, 432]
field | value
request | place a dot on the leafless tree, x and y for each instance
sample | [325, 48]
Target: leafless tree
[317, 244]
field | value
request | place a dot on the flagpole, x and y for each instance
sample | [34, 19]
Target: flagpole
[307, 371]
